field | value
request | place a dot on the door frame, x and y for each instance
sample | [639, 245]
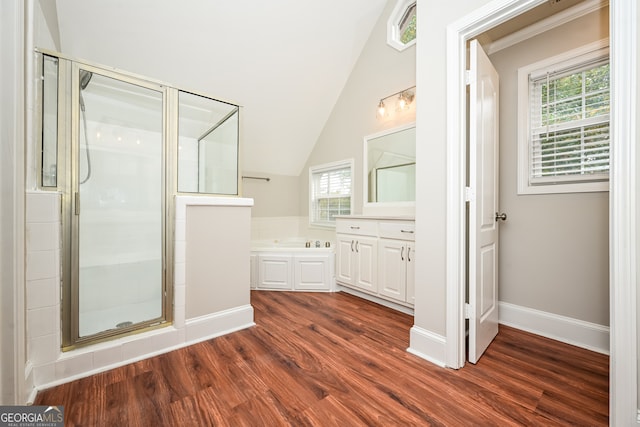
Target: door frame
[623, 405]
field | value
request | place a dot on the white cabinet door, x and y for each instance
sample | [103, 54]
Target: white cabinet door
[311, 273]
[392, 268]
[411, 273]
[366, 253]
[345, 260]
[275, 272]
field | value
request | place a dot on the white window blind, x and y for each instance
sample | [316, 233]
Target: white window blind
[569, 123]
[330, 193]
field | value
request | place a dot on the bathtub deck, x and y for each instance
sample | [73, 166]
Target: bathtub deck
[333, 359]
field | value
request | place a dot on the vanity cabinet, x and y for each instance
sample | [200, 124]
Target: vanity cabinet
[377, 256]
[356, 261]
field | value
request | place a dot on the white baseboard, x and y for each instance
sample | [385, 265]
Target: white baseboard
[221, 323]
[377, 300]
[427, 345]
[576, 332]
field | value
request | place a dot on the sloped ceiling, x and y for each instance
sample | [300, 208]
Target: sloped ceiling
[284, 61]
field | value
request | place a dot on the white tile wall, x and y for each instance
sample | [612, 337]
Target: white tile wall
[42, 293]
[43, 282]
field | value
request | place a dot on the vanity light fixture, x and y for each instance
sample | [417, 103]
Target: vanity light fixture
[404, 100]
[381, 108]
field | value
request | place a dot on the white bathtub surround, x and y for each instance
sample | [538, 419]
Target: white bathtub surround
[288, 227]
[50, 365]
[288, 264]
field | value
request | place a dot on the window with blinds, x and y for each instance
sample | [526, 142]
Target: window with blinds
[330, 192]
[567, 137]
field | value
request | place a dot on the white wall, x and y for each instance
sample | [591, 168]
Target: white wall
[278, 197]
[285, 67]
[12, 343]
[217, 254]
[379, 72]
[554, 248]
[637, 220]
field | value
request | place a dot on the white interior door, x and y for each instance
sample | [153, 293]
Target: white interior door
[483, 207]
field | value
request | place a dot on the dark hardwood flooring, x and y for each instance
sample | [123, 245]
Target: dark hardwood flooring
[318, 359]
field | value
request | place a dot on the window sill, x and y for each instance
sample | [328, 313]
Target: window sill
[580, 187]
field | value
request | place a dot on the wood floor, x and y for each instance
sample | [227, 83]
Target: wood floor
[318, 359]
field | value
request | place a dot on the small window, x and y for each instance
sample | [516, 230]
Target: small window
[564, 123]
[330, 192]
[401, 27]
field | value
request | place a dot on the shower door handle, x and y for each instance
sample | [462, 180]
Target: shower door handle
[77, 202]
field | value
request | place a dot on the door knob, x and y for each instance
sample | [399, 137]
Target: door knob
[502, 216]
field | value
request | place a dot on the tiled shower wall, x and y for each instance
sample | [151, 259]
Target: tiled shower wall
[43, 282]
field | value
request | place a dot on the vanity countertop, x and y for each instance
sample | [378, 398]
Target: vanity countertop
[377, 217]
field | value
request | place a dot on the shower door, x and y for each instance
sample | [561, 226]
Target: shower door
[118, 205]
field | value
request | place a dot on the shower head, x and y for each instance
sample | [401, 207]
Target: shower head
[85, 77]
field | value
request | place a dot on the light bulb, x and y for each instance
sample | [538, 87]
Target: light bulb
[381, 108]
[402, 102]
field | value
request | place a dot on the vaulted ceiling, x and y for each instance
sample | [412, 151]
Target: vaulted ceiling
[284, 61]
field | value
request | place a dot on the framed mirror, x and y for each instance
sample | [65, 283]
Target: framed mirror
[389, 181]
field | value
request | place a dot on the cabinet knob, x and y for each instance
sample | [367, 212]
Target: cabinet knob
[409, 253]
[402, 253]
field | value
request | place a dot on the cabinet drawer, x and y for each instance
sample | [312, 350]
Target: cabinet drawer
[398, 230]
[357, 226]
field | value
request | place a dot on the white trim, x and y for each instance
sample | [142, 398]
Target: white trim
[217, 324]
[207, 200]
[571, 57]
[546, 24]
[383, 208]
[623, 374]
[427, 345]
[572, 331]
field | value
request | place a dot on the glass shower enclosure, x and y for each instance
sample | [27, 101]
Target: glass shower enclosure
[117, 205]
[118, 147]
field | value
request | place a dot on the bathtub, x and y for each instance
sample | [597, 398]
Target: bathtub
[288, 265]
